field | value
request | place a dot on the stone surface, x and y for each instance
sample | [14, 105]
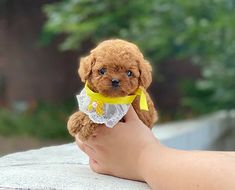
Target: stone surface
[66, 167]
[58, 167]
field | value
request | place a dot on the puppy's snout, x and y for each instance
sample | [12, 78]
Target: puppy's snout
[115, 82]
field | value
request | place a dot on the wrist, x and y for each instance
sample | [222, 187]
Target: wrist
[149, 159]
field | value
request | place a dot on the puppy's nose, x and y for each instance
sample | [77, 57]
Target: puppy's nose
[115, 82]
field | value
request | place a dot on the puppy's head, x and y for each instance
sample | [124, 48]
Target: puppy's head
[115, 68]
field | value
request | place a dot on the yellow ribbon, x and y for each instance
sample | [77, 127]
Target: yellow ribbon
[98, 100]
[143, 99]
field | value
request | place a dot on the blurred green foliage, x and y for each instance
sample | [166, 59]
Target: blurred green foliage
[200, 31]
[47, 121]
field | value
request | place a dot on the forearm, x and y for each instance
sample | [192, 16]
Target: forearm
[166, 168]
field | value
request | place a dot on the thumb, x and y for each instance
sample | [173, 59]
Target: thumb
[131, 114]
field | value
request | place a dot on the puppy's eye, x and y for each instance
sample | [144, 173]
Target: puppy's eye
[129, 73]
[102, 71]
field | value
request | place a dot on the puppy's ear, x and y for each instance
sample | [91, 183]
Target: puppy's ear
[145, 70]
[85, 67]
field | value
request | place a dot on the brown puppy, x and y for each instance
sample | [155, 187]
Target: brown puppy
[114, 68]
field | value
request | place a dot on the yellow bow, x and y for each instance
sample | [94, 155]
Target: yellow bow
[143, 99]
[98, 100]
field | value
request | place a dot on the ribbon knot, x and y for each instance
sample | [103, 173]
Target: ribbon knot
[96, 105]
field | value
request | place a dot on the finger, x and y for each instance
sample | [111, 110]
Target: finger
[96, 139]
[97, 167]
[131, 114]
[102, 131]
[97, 142]
[92, 141]
[86, 148]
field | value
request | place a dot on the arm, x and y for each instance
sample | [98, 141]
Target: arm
[176, 169]
[130, 150]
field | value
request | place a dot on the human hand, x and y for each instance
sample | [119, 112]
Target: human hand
[119, 151]
[129, 150]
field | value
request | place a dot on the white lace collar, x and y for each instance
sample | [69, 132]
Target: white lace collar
[107, 110]
[112, 113]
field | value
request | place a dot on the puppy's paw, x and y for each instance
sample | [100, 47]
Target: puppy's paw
[87, 130]
[75, 123]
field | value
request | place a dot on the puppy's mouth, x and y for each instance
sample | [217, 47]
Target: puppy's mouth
[112, 91]
[112, 88]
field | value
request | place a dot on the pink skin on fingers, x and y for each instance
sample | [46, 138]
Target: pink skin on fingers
[117, 151]
[97, 167]
[94, 165]
[86, 148]
[91, 153]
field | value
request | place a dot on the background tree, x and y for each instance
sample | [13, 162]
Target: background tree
[199, 31]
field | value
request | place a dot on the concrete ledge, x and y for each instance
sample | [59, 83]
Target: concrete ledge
[58, 167]
[66, 167]
[198, 134]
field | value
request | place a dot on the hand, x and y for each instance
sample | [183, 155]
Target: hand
[118, 151]
[130, 150]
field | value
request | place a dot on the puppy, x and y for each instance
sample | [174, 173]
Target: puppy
[115, 68]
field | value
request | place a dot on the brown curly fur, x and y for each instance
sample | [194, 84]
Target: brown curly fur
[117, 57]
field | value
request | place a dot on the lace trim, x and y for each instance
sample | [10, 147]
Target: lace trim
[111, 115]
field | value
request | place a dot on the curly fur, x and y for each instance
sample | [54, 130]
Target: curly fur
[117, 57]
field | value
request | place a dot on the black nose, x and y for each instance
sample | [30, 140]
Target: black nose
[115, 82]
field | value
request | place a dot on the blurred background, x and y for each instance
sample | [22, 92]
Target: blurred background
[191, 45]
